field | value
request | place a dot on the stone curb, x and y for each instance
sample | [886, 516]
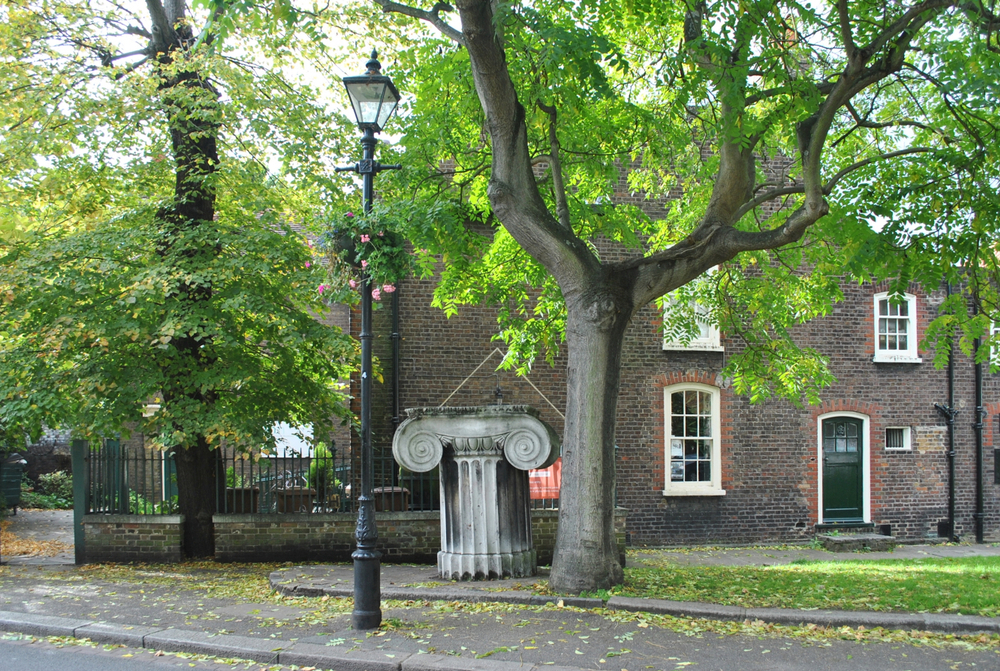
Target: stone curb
[310, 654]
[466, 595]
[40, 625]
[222, 645]
[244, 647]
[116, 634]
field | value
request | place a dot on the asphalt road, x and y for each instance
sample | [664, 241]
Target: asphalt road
[24, 655]
[662, 650]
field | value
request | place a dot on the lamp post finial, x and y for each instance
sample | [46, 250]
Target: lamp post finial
[373, 66]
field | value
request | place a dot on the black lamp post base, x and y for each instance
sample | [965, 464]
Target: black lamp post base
[367, 613]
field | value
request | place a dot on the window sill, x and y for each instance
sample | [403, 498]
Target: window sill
[896, 358]
[694, 492]
[675, 347]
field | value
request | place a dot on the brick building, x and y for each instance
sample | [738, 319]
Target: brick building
[698, 463]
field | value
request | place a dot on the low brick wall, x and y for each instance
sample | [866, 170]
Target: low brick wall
[133, 538]
[402, 537]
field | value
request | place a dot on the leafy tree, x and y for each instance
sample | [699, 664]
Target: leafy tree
[153, 165]
[801, 145]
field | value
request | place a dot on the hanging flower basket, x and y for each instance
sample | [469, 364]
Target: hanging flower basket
[365, 245]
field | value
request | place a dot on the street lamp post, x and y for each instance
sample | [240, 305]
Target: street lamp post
[373, 98]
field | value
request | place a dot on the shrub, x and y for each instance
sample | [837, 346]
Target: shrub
[58, 484]
[322, 477]
[140, 505]
[30, 498]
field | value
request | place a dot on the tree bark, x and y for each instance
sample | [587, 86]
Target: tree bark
[197, 489]
[586, 551]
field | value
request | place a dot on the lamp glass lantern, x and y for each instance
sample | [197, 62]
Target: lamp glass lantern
[373, 96]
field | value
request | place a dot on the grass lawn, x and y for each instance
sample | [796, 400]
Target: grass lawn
[969, 586]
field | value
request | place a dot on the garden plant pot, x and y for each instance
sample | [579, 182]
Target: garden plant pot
[391, 499]
[295, 500]
[242, 500]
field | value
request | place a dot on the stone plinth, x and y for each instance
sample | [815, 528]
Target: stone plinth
[857, 542]
[485, 454]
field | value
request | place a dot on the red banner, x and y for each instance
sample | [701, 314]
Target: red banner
[544, 483]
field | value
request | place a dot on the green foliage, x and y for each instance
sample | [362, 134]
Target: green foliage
[322, 473]
[104, 307]
[140, 505]
[41, 496]
[637, 97]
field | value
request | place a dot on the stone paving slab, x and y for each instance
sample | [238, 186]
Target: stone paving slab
[301, 653]
[836, 618]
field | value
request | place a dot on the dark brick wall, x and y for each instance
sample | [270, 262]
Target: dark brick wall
[133, 538]
[403, 537]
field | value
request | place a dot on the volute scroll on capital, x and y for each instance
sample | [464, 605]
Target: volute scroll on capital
[527, 442]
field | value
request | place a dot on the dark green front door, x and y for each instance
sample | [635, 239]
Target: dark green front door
[843, 447]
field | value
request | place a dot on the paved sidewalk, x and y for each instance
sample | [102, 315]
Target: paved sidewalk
[42, 525]
[438, 624]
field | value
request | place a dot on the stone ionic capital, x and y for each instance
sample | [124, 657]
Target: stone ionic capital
[527, 442]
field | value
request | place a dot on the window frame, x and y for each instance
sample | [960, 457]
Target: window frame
[710, 343]
[907, 439]
[911, 353]
[712, 487]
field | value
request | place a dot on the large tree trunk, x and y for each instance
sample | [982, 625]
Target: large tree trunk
[190, 104]
[586, 553]
[197, 489]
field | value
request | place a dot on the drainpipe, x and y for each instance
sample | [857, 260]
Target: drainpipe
[978, 430]
[396, 419]
[950, 413]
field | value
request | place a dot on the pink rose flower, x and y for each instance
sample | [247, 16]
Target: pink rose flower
[388, 288]
[364, 263]
[321, 288]
[352, 283]
[308, 264]
[365, 238]
[376, 294]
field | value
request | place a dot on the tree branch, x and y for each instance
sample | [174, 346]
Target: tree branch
[512, 191]
[824, 88]
[901, 25]
[767, 196]
[828, 187]
[845, 31]
[164, 36]
[432, 17]
[562, 208]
